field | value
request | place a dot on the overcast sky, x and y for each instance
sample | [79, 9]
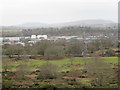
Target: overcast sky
[14, 12]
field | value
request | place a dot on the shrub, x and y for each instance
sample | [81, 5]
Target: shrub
[22, 70]
[7, 84]
[110, 52]
[48, 71]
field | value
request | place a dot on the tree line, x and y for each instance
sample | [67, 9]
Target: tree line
[70, 30]
[61, 48]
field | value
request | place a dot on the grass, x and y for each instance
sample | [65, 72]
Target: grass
[111, 59]
[64, 64]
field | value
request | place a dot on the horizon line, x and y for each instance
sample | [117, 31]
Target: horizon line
[59, 22]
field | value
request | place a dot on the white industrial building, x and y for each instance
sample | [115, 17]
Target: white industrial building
[42, 36]
[33, 36]
[38, 36]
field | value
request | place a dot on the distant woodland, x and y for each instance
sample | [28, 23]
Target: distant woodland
[72, 30]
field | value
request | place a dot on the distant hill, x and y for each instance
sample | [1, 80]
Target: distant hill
[92, 22]
[33, 25]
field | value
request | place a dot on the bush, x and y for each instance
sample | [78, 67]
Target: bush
[48, 71]
[7, 84]
[110, 52]
[22, 69]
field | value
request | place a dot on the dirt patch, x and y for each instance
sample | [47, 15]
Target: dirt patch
[31, 76]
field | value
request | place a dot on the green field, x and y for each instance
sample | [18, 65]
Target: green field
[72, 73]
[64, 64]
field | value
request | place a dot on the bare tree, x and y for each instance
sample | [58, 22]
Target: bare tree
[54, 51]
[5, 63]
[41, 46]
[22, 70]
[49, 70]
[71, 60]
[74, 48]
[100, 72]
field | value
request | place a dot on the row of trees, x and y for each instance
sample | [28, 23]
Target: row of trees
[60, 48]
[71, 30]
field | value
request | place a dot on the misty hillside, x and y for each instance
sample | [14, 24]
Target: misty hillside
[88, 22]
[95, 22]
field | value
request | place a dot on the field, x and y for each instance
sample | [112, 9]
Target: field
[72, 73]
[64, 64]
